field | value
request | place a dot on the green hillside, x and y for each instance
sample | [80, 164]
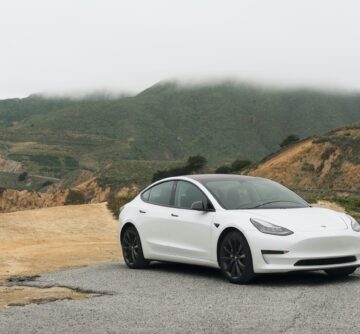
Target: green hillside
[166, 122]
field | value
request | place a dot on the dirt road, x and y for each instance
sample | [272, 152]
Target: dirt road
[45, 240]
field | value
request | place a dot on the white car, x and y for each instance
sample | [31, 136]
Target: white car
[243, 225]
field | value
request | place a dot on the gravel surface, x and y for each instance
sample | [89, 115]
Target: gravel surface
[169, 298]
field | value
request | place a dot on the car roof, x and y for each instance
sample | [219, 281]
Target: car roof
[219, 177]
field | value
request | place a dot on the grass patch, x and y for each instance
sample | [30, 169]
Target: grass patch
[350, 203]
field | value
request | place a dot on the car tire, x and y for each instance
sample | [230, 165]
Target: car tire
[340, 272]
[235, 258]
[132, 249]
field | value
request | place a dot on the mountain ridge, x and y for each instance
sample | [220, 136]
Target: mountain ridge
[166, 122]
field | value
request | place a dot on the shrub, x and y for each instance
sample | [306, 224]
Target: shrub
[194, 164]
[307, 167]
[291, 139]
[116, 202]
[224, 170]
[327, 153]
[22, 176]
[71, 163]
[46, 184]
[351, 203]
[75, 197]
[236, 166]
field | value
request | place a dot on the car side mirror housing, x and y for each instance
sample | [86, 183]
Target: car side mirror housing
[198, 205]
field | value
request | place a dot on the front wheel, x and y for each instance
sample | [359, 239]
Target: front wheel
[235, 258]
[340, 272]
[132, 249]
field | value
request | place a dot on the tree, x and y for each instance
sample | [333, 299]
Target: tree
[194, 164]
[291, 139]
[238, 164]
[224, 170]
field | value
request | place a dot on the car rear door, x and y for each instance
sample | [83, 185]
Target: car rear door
[154, 217]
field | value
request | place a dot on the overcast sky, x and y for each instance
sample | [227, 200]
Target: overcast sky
[84, 45]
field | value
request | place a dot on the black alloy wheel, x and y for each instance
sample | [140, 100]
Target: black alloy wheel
[132, 250]
[235, 258]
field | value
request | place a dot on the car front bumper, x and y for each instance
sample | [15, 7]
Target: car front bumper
[323, 247]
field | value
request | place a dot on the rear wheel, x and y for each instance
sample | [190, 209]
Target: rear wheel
[340, 272]
[235, 258]
[132, 250]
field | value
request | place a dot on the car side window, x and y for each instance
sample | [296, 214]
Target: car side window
[145, 195]
[186, 194]
[161, 193]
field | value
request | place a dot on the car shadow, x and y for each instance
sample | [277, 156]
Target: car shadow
[305, 278]
[186, 269]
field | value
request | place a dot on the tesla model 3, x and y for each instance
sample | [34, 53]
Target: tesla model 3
[243, 225]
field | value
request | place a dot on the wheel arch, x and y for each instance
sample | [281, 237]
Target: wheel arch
[124, 228]
[222, 236]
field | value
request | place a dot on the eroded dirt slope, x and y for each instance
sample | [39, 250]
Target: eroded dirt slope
[331, 161]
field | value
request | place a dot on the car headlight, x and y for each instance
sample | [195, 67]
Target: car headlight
[268, 228]
[354, 224]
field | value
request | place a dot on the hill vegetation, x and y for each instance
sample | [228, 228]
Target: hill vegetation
[165, 124]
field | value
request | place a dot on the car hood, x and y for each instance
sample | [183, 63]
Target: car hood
[303, 219]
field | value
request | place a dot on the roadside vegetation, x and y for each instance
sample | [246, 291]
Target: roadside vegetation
[194, 164]
[291, 139]
[235, 167]
[351, 204]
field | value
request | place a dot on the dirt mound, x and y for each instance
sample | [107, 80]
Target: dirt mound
[79, 187]
[330, 161]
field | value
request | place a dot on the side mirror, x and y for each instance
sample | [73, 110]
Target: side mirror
[198, 205]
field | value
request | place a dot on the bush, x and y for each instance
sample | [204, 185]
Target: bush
[224, 170]
[291, 139]
[46, 184]
[75, 197]
[116, 202]
[307, 167]
[236, 166]
[194, 164]
[351, 203]
[327, 153]
[23, 176]
[71, 163]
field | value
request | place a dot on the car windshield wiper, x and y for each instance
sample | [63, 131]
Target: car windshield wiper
[270, 202]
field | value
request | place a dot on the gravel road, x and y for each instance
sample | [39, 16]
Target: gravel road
[169, 298]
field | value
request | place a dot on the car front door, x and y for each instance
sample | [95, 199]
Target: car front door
[190, 231]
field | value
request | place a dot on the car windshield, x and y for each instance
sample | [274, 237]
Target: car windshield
[253, 193]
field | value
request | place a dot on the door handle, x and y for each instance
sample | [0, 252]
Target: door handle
[141, 211]
[174, 215]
